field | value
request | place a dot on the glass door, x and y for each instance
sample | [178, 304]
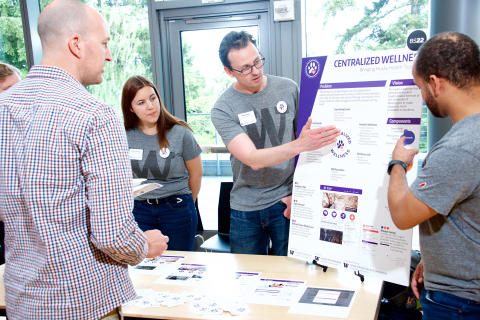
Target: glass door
[197, 79]
[197, 75]
[204, 79]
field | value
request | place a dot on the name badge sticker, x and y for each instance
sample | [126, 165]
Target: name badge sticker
[164, 153]
[136, 154]
[281, 106]
[247, 118]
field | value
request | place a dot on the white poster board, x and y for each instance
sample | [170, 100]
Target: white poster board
[340, 213]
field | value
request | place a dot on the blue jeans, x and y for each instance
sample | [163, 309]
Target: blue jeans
[251, 230]
[178, 221]
[442, 305]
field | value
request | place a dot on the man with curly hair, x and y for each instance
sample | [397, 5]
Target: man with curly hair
[445, 198]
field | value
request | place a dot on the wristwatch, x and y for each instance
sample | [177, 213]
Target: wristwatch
[394, 162]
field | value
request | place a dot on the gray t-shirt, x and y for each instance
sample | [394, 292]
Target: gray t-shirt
[449, 183]
[168, 169]
[275, 109]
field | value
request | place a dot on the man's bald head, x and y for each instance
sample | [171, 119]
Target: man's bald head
[63, 18]
[74, 38]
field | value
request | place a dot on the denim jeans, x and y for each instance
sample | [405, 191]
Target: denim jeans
[251, 230]
[178, 221]
[442, 305]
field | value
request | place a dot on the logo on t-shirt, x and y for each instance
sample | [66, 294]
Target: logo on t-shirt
[423, 184]
[151, 166]
[268, 128]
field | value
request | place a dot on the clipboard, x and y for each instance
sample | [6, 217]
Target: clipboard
[139, 189]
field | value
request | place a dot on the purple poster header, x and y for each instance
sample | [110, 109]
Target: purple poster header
[340, 189]
[249, 273]
[348, 85]
[404, 120]
[276, 280]
[403, 82]
[312, 71]
[364, 241]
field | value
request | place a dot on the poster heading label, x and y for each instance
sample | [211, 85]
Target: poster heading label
[404, 120]
[368, 61]
[341, 189]
[348, 85]
[400, 83]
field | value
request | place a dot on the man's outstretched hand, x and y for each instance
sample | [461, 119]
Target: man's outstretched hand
[313, 139]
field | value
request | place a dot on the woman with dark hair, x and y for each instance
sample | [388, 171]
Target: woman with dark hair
[162, 150]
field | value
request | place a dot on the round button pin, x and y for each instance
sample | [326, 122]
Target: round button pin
[164, 153]
[281, 106]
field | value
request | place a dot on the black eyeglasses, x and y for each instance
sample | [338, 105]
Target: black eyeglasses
[247, 70]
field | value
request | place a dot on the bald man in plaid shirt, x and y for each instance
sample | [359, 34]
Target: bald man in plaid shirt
[65, 180]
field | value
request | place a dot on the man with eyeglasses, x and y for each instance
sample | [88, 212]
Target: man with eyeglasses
[257, 120]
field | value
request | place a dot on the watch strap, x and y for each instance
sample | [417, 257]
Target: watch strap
[394, 162]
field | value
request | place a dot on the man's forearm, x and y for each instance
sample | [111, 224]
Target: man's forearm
[397, 189]
[244, 150]
[406, 209]
[262, 158]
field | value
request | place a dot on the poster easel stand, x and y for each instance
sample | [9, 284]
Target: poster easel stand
[358, 274]
[319, 265]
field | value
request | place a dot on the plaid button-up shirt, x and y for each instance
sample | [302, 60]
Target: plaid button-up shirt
[66, 200]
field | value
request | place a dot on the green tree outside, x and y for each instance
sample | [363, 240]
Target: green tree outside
[130, 43]
[370, 33]
[12, 43]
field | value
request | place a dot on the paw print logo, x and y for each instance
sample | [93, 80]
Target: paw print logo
[340, 144]
[312, 68]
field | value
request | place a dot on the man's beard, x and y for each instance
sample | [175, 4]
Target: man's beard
[432, 105]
